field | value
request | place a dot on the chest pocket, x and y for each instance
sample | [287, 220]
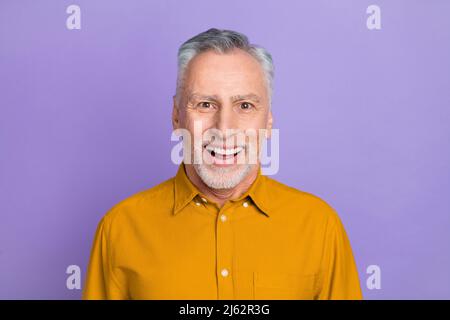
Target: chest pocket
[283, 286]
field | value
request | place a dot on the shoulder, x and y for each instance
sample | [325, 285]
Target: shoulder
[299, 202]
[158, 198]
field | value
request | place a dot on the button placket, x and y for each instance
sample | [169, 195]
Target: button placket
[224, 255]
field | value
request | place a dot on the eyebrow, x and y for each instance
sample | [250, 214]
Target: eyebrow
[250, 96]
[215, 98]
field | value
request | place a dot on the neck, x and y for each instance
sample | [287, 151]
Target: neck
[220, 196]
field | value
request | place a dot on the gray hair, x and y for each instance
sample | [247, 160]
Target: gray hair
[222, 41]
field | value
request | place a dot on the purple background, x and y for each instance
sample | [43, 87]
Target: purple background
[363, 118]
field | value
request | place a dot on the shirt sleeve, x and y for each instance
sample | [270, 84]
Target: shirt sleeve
[100, 283]
[339, 276]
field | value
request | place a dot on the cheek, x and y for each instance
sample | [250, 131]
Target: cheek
[205, 120]
[197, 125]
[256, 122]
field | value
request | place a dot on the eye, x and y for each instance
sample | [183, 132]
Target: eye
[245, 106]
[205, 105]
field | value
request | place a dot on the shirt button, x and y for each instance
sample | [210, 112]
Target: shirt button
[197, 203]
[245, 204]
[204, 200]
[223, 218]
[224, 273]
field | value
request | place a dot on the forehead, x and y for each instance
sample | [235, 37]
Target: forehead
[230, 73]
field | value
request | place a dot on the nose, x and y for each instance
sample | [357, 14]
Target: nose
[225, 120]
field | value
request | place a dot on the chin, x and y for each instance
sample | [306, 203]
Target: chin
[217, 177]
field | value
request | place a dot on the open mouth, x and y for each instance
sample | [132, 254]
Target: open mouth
[223, 154]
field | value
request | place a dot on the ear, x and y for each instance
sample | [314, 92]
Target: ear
[269, 125]
[175, 114]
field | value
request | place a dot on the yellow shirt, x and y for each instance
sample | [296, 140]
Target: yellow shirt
[171, 242]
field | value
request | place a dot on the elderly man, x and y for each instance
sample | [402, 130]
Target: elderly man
[220, 229]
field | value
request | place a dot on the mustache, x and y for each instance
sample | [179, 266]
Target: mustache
[220, 142]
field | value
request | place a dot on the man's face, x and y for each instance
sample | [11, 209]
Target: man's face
[226, 96]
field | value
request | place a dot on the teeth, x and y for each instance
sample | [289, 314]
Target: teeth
[224, 152]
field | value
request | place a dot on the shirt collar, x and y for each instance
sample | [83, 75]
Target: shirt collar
[258, 193]
[185, 191]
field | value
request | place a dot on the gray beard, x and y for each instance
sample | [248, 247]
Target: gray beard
[222, 178]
